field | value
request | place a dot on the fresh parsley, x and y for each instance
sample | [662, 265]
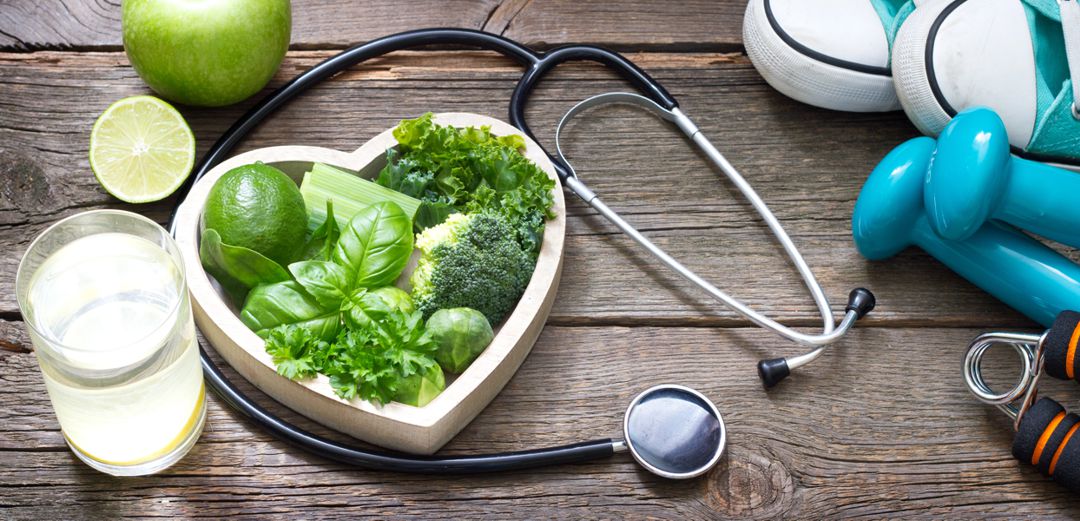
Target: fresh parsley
[368, 362]
[294, 351]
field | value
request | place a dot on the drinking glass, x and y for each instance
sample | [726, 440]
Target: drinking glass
[104, 298]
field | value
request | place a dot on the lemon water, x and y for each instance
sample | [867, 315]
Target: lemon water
[122, 364]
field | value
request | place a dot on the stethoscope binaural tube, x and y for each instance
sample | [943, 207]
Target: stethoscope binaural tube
[771, 371]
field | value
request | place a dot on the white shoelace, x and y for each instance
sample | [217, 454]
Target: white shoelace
[1070, 27]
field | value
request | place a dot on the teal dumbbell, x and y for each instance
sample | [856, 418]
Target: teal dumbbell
[890, 216]
[973, 177]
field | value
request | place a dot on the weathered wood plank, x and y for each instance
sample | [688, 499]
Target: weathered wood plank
[95, 24]
[807, 163]
[686, 25]
[880, 427]
[319, 24]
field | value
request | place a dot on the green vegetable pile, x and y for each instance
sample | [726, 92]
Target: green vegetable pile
[339, 316]
[324, 300]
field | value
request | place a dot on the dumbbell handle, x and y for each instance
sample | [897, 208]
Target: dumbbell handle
[1042, 199]
[1032, 278]
[1048, 440]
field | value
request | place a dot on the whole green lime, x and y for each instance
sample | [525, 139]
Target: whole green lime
[258, 207]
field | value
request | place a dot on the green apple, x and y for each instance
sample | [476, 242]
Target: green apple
[206, 52]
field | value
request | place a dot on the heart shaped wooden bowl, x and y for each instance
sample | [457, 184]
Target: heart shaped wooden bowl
[420, 430]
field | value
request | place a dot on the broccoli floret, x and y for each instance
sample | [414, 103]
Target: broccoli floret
[474, 261]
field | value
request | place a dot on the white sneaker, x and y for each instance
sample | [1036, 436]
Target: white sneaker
[1012, 56]
[828, 53]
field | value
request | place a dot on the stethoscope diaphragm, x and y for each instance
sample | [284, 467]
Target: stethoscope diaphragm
[674, 431]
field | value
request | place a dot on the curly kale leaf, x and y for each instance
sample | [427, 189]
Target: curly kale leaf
[468, 170]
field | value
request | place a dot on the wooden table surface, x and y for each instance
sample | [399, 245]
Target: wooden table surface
[881, 426]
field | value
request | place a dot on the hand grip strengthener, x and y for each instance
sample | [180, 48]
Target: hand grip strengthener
[1046, 434]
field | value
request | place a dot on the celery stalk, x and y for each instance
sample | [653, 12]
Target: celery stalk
[349, 193]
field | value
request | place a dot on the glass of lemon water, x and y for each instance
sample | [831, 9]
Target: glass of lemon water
[104, 298]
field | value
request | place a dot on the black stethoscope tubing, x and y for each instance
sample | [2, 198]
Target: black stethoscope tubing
[388, 461]
[538, 64]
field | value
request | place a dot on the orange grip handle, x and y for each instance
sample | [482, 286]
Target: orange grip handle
[1062, 361]
[1048, 439]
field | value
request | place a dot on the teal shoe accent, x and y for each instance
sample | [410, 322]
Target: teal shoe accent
[1051, 67]
[1048, 8]
[1057, 133]
[892, 14]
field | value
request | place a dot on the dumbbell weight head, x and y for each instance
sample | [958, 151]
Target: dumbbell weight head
[968, 174]
[891, 201]
[974, 178]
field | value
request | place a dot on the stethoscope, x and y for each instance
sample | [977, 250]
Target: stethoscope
[671, 430]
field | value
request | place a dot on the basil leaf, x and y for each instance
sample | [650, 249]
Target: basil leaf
[236, 268]
[365, 307]
[375, 246]
[327, 282]
[271, 305]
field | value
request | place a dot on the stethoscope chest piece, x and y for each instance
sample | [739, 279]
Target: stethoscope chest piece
[674, 431]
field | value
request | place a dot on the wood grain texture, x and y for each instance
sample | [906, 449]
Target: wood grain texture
[873, 430]
[704, 25]
[95, 24]
[807, 163]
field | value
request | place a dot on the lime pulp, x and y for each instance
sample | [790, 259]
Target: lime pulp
[141, 149]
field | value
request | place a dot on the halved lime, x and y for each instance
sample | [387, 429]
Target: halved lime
[141, 149]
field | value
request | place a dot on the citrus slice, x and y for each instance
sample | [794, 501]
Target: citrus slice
[141, 149]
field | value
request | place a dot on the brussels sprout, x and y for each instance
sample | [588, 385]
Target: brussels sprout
[461, 334]
[365, 306]
[419, 389]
